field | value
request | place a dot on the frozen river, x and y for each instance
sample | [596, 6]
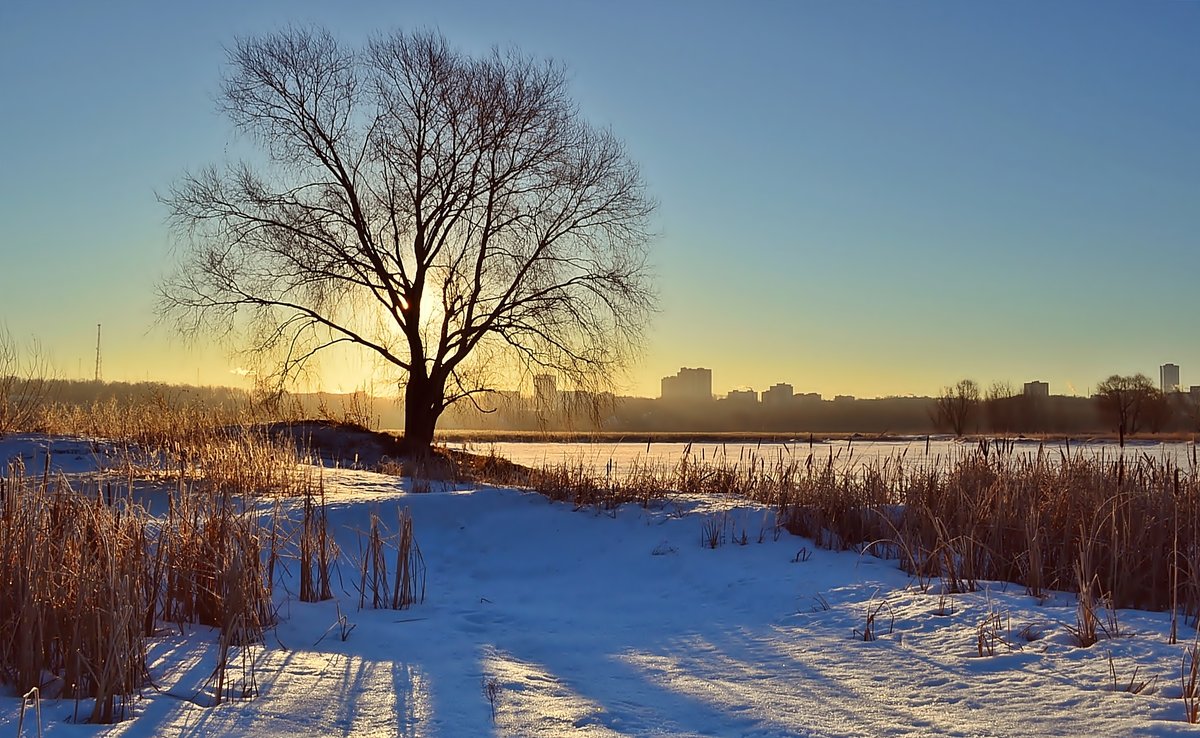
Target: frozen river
[619, 457]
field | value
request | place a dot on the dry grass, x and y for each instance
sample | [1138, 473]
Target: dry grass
[31, 700]
[217, 448]
[74, 594]
[212, 566]
[989, 634]
[317, 549]
[89, 573]
[1189, 680]
[408, 587]
[1133, 685]
[160, 422]
[713, 530]
[1124, 531]
[873, 621]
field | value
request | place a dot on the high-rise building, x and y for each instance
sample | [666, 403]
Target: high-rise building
[1169, 376]
[742, 397]
[1037, 389]
[545, 390]
[779, 394]
[688, 385]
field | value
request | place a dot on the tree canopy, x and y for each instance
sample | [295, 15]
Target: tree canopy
[955, 407]
[1128, 402]
[450, 213]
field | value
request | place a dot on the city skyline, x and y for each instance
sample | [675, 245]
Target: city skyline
[854, 199]
[701, 385]
[544, 384]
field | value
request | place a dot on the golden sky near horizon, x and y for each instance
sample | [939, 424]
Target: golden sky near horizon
[853, 199]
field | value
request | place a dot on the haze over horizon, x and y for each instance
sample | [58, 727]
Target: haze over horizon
[854, 198]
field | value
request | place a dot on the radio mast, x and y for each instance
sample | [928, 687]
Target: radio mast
[97, 352]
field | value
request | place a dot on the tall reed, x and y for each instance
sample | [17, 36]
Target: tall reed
[73, 594]
[88, 573]
[986, 513]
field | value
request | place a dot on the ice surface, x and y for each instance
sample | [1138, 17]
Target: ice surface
[619, 457]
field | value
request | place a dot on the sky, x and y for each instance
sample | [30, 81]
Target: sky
[859, 198]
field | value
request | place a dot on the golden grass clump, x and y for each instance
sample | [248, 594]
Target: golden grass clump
[72, 595]
[208, 552]
[223, 447]
[317, 549]
[86, 573]
[374, 589]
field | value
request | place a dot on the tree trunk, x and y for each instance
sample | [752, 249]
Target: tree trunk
[423, 399]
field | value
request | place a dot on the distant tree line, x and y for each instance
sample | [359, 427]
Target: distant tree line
[1123, 405]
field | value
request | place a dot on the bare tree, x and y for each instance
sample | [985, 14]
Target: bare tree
[1001, 405]
[453, 214]
[1126, 401]
[1157, 412]
[1187, 406]
[24, 383]
[956, 406]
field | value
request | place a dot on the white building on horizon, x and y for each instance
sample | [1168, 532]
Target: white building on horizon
[1036, 389]
[1169, 377]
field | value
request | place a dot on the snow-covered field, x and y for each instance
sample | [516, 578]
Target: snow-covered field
[594, 623]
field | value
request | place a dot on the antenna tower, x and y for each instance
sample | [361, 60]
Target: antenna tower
[97, 352]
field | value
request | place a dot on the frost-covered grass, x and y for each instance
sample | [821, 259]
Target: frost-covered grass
[545, 618]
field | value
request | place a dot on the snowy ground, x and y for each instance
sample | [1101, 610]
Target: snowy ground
[597, 623]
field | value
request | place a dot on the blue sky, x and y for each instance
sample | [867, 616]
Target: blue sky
[864, 198]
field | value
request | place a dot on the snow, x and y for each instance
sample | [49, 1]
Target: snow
[621, 623]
